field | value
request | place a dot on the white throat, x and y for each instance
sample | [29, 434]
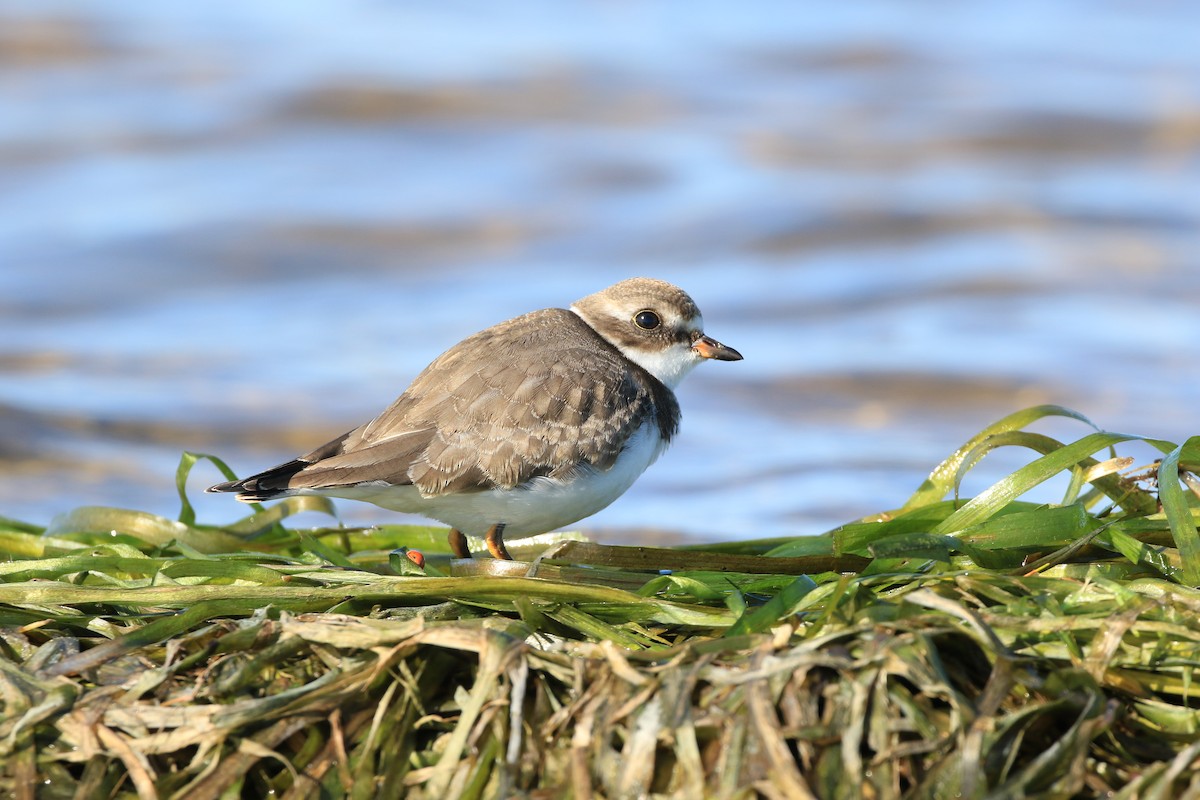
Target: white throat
[669, 366]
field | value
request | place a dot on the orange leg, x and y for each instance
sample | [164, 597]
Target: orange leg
[458, 544]
[495, 542]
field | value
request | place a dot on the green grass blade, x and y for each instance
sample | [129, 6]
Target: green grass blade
[988, 502]
[774, 610]
[662, 558]
[1142, 554]
[943, 478]
[1035, 529]
[187, 514]
[1128, 496]
[1178, 509]
[148, 528]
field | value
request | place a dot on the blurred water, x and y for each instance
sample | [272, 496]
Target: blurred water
[243, 228]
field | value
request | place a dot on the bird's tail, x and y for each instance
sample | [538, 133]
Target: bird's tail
[266, 485]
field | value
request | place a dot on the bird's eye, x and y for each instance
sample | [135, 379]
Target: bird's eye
[646, 320]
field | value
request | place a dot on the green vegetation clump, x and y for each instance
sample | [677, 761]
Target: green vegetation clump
[956, 647]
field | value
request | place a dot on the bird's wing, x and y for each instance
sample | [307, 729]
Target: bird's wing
[534, 396]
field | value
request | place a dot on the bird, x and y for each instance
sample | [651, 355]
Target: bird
[525, 427]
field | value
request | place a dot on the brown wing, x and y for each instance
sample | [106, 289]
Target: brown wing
[506, 405]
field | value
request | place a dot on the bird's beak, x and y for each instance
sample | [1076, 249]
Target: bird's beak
[707, 347]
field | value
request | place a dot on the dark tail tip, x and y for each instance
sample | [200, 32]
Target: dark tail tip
[264, 485]
[245, 493]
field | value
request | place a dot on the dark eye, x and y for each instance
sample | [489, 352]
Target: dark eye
[647, 320]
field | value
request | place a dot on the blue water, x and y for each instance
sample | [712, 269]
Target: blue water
[242, 228]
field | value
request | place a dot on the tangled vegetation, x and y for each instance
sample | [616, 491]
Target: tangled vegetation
[981, 647]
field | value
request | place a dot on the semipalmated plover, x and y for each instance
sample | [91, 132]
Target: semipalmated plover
[525, 427]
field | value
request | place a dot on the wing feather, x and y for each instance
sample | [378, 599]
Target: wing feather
[490, 413]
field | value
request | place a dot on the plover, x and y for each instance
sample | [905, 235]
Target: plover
[524, 427]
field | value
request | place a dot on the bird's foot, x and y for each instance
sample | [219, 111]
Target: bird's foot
[458, 544]
[495, 542]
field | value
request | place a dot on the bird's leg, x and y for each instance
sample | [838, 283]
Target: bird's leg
[495, 542]
[458, 544]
